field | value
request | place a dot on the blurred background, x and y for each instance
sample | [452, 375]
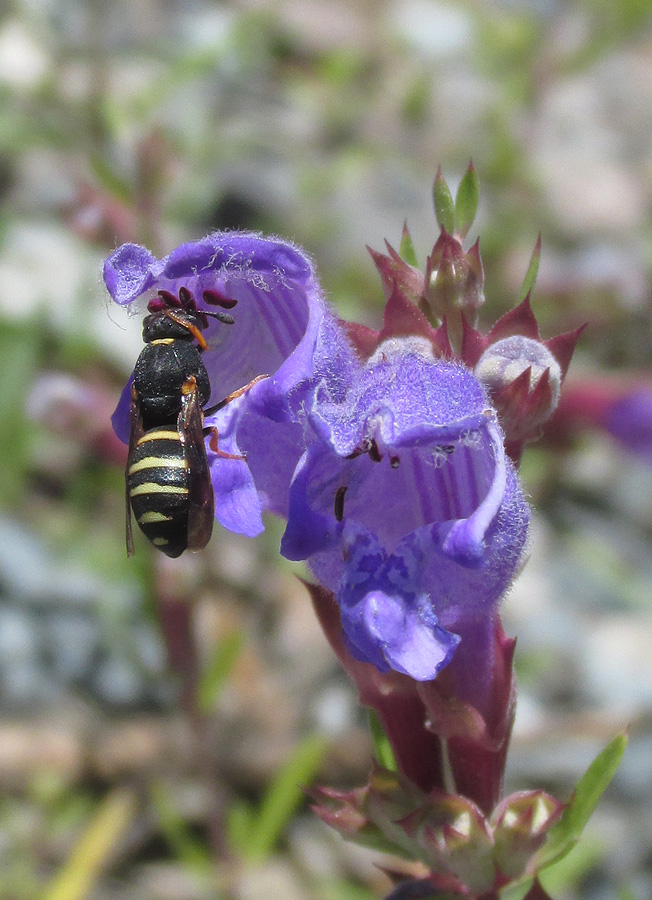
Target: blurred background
[130, 763]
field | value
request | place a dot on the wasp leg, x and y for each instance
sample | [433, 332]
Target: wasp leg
[214, 445]
[243, 390]
[200, 490]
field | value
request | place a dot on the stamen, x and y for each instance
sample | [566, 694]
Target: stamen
[169, 298]
[374, 453]
[395, 461]
[216, 298]
[339, 502]
[363, 447]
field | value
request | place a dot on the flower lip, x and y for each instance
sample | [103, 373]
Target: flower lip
[402, 397]
[389, 461]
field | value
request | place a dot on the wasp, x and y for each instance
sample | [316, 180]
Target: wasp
[167, 478]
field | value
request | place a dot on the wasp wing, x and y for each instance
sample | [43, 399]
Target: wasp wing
[201, 503]
[136, 431]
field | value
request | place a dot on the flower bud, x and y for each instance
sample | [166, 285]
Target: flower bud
[521, 824]
[524, 379]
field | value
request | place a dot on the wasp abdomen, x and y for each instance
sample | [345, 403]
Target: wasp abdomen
[158, 487]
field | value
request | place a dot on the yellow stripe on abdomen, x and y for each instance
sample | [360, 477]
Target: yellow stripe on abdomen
[159, 436]
[157, 462]
[149, 518]
[150, 487]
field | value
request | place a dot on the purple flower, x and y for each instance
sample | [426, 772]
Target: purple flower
[629, 420]
[279, 317]
[408, 510]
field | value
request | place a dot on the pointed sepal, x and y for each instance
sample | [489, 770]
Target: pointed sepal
[532, 271]
[396, 273]
[443, 200]
[466, 202]
[406, 248]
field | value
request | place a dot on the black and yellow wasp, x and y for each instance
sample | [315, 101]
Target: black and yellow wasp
[168, 484]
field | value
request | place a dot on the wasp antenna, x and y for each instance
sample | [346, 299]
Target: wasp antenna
[217, 298]
[223, 317]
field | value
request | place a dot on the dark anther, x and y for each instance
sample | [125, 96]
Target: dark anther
[163, 300]
[395, 462]
[363, 447]
[339, 502]
[374, 453]
[169, 299]
[187, 299]
[217, 298]
[367, 446]
[446, 448]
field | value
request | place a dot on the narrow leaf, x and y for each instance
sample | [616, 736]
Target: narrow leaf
[345, 890]
[84, 865]
[218, 670]
[516, 890]
[466, 202]
[239, 818]
[563, 836]
[531, 275]
[109, 179]
[180, 839]
[382, 747]
[444, 206]
[406, 249]
[283, 796]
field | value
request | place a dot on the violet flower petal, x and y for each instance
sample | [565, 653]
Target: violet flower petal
[385, 618]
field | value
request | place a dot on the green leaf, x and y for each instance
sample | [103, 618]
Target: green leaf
[626, 894]
[531, 275]
[382, 747]
[283, 796]
[79, 873]
[466, 201]
[345, 890]
[108, 179]
[218, 670]
[185, 846]
[444, 206]
[406, 250]
[563, 836]
[239, 819]
[567, 873]
[516, 890]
